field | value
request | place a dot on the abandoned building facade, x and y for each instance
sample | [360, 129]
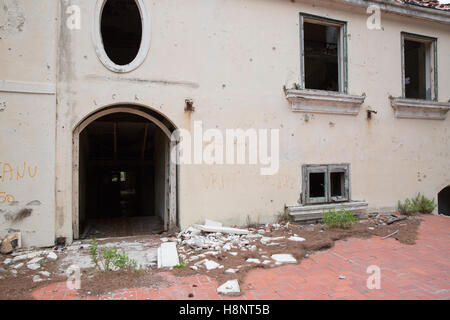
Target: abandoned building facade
[92, 91]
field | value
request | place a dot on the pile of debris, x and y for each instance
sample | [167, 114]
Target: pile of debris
[24, 261]
[213, 247]
[225, 253]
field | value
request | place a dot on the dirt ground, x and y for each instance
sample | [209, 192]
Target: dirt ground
[317, 237]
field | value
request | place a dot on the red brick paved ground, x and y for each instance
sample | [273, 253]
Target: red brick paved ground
[420, 271]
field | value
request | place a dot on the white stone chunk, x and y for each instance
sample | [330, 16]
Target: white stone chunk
[253, 260]
[168, 255]
[298, 239]
[265, 240]
[229, 287]
[222, 229]
[230, 271]
[211, 265]
[35, 260]
[284, 258]
[45, 273]
[52, 256]
[33, 266]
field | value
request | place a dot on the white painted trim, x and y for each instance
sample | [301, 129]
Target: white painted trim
[98, 42]
[27, 87]
[100, 114]
[317, 101]
[419, 109]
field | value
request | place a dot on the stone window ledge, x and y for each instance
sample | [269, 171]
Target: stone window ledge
[317, 101]
[419, 109]
[315, 211]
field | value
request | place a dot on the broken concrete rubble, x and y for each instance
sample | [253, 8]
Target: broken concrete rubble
[296, 238]
[168, 255]
[230, 287]
[209, 264]
[52, 256]
[284, 258]
[206, 228]
[253, 260]
[33, 266]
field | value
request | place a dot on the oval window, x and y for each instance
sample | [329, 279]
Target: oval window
[121, 30]
[121, 34]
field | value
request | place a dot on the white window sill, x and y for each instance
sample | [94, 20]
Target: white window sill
[317, 101]
[419, 109]
[315, 211]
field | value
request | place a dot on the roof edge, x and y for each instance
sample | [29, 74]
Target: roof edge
[404, 9]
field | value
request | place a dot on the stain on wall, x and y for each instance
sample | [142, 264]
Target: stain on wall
[12, 19]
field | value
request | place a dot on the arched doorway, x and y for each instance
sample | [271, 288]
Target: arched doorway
[444, 201]
[124, 180]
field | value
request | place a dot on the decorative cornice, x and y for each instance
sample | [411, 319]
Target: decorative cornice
[27, 87]
[419, 109]
[317, 101]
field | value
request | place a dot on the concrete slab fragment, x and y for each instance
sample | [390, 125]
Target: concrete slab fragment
[298, 239]
[222, 229]
[168, 255]
[229, 287]
[284, 258]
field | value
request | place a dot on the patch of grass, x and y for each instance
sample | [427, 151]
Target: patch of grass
[180, 265]
[419, 204]
[109, 258]
[343, 219]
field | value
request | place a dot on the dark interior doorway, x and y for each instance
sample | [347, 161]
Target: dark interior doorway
[122, 177]
[444, 201]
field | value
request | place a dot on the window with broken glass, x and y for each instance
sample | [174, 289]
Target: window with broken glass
[325, 183]
[323, 54]
[419, 76]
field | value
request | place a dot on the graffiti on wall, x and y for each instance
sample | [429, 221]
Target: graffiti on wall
[10, 172]
[6, 198]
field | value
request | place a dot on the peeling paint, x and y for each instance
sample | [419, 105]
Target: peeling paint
[12, 19]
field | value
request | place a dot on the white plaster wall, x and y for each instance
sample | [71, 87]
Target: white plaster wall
[233, 58]
[27, 120]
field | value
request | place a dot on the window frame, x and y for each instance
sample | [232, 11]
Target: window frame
[431, 62]
[327, 169]
[97, 39]
[342, 49]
